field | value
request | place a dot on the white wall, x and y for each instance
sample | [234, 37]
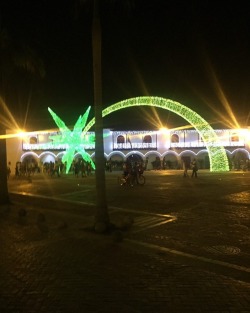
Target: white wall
[14, 152]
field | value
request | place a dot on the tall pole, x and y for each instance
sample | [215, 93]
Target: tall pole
[4, 195]
[101, 201]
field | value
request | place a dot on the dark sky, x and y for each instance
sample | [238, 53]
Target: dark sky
[193, 52]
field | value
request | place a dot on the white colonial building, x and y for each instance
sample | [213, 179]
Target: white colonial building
[157, 149]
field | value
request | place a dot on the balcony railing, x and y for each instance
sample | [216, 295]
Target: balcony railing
[135, 146]
[51, 146]
[132, 146]
[200, 144]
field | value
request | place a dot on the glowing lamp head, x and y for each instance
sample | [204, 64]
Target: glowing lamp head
[21, 133]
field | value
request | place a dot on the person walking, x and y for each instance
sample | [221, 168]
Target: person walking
[194, 168]
[185, 168]
[8, 170]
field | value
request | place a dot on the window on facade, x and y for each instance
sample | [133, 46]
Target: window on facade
[33, 140]
[120, 139]
[147, 139]
[174, 138]
[234, 137]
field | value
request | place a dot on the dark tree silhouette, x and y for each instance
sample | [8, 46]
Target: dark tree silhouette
[102, 215]
[13, 56]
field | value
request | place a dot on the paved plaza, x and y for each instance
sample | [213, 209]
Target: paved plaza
[177, 245]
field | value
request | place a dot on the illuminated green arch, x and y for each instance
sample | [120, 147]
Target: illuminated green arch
[217, 153]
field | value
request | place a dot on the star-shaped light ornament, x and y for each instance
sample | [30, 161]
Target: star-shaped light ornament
[74, 140]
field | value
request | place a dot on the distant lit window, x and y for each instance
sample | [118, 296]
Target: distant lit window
[174, 138]
[234, 137]
[120, 139]
[33, 140]
[147, 139]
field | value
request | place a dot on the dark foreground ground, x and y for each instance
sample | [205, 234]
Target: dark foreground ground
[187, 250]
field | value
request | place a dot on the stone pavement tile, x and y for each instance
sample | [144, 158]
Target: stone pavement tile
[86, 272]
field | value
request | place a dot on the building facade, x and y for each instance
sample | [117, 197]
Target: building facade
[155, 149]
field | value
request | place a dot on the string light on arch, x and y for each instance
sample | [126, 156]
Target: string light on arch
[217, 154]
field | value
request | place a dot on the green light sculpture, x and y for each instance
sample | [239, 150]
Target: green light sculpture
[74, 140]
[217, 153]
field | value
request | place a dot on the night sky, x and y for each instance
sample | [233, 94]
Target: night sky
[193, 52]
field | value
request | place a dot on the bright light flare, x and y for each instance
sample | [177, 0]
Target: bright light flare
[231, 120]
[15, 134]
[23, 134]
[163, 129]
[9, 121]
[153, 118]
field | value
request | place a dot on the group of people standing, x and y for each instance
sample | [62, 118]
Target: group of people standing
[193, 166]
[82, 168]
[131, 171]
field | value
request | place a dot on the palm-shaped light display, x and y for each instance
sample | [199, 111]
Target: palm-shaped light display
[74, 140]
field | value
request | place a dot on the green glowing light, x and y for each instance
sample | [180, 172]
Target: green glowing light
[74, 140]
[217, 153]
